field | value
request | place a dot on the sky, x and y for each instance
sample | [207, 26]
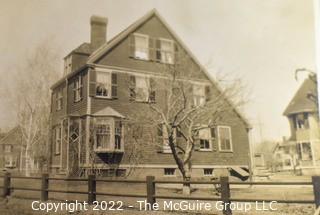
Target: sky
[262, 42]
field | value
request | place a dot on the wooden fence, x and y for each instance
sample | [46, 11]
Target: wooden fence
[151, 195]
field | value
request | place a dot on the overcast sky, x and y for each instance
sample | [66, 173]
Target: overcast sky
[261, 41]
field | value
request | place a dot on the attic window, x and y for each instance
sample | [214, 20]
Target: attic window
[141, 46]
[301, 121]
[165, 51]
[68, 64]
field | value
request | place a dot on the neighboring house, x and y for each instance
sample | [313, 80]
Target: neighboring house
[13, 153]
[105, 81]
[285, 156]
[302, 113]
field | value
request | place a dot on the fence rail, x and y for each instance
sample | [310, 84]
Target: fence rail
[150, 194]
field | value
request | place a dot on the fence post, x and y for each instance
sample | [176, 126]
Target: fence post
[316, 190]
[6, 185]
[91, 189]
[151, 190]
[45, 187]
[225, 195]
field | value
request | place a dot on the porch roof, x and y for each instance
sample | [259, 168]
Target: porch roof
[108, 111]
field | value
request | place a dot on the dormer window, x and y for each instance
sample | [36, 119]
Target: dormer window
[141, 46]
[68, 64]
[165, 51]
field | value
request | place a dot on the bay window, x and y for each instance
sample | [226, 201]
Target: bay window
[108, 135]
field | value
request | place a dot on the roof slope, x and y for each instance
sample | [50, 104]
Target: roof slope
[14, 136]
[300, 102]
[122, 35]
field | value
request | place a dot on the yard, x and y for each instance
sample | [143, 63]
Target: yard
[20, 201]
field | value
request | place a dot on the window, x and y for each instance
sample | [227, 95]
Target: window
[108, 134]
[106, 84]
[141, 89]
[68, 64]
[225, 142]
[169, 171]
[199, 96]
[141, 46]
[103, 136]
[208, 172]
[77, 89]
[301, 121]
[305, 151]
[58, 135]
[8, 148]
[117, 135]
[206, 138]
[59, 99]
[165, 51]
[10, 161]
[103, 84]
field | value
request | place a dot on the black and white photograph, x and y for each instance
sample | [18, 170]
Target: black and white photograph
[159, 107]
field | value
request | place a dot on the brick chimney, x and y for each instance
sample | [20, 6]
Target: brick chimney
[98, 31]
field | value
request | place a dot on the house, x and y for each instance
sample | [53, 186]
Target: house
[302, 113]
[13, 153]
[105, 81]
[285, 156]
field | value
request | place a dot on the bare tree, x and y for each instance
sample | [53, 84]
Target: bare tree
[180, 111]
[30, 96]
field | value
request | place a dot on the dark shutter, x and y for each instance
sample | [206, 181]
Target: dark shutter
[92, 82]
[176, 52]
[81, 86]
[152, 49]
[158, 50]
[207, 93]
[114, 85]
[74, 89]
[152, 91]
[131, 45]
[197, 141]
[132, 88]
[213, 138]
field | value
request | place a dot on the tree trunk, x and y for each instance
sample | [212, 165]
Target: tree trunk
[186, 189]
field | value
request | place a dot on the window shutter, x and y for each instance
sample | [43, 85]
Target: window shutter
[132, 86]
[158, 50]
[176, 52]
[213, 138]
[131, 45]
[92, 82]
[207, 93]
[74, 89]
[114, 85]
[152, 95]
[81, 86]
[197, 141]
[152, 53]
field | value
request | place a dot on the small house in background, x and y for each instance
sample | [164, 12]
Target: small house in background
[13, 153]
[285, 156]
[302, 113]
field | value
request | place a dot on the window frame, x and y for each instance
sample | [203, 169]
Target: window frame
[169, 175]
[59, 99]
[209, 140]
[12, 161]
[208, 175]
[145, 36]
[161, 39]
[57, 142]
[78, 88]
[219, 142]
[110, 84]
[147, 90]
[68, 64]
[195, 95]
[6, 149]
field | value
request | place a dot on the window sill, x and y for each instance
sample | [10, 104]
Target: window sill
[169, 176]
[108, 150]
[226, 151]
[104, 97]
[57, 153]
[205, 150]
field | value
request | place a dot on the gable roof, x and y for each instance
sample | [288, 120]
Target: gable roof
[108, 111]
[122, 35]
[300, 102]
[11, 137]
